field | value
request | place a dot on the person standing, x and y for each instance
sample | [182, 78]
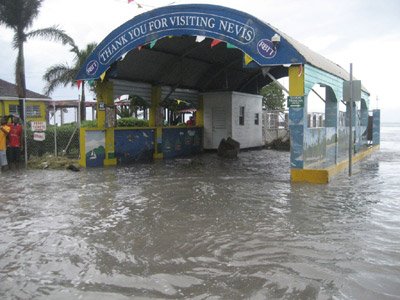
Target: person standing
[14, 143]
[4, 130]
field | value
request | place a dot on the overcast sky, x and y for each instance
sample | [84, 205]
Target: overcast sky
[363, 32]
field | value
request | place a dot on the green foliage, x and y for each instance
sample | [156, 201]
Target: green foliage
[175, 105]
[63, 133]
[132, 122]
[138, 102]
[19, 16]
[89, 124]
[64, 74]
[135, 103]
[124, 111]
[273, 97]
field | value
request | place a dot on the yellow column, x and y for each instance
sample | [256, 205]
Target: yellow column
[296, 81]
[200, 113]
[156, 119]
[82, 147]
[104, 99]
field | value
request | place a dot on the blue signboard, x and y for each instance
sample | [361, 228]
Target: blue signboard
[242, 30]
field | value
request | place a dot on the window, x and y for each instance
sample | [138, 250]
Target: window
[13, 109]
[256, 119]
[32, 111]
[241, 115]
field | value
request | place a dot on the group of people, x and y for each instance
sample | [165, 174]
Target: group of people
[10, 142]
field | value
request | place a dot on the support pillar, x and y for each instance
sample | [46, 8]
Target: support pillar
[331, 124]
[297, 120]
[156, 120]
[376, 127]
[104, 100]
[200, 113]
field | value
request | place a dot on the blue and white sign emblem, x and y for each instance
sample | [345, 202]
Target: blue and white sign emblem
[266, 48]
[92, 67]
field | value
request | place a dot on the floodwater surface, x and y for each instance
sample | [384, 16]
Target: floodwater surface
[203, 228]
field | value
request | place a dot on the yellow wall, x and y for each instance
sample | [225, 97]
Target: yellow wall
[41, 104]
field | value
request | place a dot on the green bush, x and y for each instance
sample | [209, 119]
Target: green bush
[64, 133]
[132, 122]
[89, 124]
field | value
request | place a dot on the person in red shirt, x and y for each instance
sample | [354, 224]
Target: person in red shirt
[191, 122]
[14, 143]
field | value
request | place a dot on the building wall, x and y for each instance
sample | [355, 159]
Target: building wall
[250, 134]
[37, 114]
[214, 103]
[215, 128]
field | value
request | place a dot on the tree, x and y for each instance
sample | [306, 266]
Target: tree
[273, 97]
[135, 103]
[19, 15]
[63, 74]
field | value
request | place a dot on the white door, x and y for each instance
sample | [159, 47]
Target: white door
[219, 130]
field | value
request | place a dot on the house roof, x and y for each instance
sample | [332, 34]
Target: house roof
[8, 89]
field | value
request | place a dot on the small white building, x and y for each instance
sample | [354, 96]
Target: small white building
[235, 115]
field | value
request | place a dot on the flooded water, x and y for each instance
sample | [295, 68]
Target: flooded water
[203, 228]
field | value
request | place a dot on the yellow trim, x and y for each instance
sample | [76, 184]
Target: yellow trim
[110, 162]
[82, 147]
[155, 101]
[158, 136]
[321, 176]
[200, 113]
[104, 92]
[110, 159]
[158, 155]
[296, 82]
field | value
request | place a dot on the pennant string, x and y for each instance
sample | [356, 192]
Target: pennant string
[200, 38]
[102, 76]
[215, 42]
[153, 43]
[247, 59]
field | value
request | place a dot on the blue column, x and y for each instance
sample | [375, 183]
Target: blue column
[376, 127]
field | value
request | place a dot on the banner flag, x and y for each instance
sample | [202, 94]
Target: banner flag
[200, 38]
[247, 59]
[103, 75]
[215, 42]
[230, 46]
[78, 83]
[153, 43]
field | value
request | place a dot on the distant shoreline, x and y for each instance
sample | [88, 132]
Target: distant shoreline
[390, 124]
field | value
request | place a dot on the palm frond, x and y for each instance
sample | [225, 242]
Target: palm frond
[52, 34]
[19, 15]
[58, 75]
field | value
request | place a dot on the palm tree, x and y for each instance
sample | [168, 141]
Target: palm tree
[63, 74]
[19, 15]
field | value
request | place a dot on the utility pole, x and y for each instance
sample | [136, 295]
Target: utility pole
[351, 121]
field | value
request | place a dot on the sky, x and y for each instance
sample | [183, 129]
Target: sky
[365, 33]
